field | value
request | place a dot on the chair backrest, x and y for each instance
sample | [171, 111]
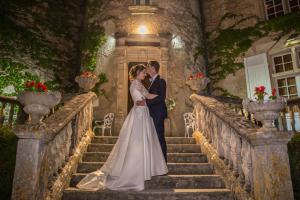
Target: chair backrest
[189, 119]
[108, 120]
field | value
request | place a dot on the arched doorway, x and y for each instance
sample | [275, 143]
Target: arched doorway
[130, 51]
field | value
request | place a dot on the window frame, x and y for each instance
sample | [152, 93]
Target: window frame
[289, 6]
[283, 2]
[281, 55]
[298, 57]
[288, 96]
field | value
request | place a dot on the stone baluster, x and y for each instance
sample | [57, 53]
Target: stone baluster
[42, 170]
[247, 165]
[257, 159]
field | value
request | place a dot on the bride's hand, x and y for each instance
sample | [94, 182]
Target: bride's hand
[151, 96]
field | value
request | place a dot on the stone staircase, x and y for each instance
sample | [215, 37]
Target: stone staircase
[190, 176]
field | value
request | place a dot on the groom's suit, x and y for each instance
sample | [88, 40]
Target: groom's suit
[158, 110]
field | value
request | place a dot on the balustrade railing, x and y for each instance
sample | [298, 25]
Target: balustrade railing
[48, 153]
[254, 164]
[11, 111]
[289, 119]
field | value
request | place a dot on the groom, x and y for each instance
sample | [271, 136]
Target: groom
[157, 106]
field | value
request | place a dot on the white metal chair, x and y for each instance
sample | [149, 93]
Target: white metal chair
[106, 123]
[189, 122]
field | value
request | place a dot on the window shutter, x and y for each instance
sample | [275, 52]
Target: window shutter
[257, 74]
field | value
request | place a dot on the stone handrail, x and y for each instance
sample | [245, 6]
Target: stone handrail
[254, 164]
[48, 153]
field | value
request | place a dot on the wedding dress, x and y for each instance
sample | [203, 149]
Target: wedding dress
[137, 155]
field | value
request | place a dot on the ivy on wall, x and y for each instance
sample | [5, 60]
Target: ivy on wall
[40, 34]
[227, 45]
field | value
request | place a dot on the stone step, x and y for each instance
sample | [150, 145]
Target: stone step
[173, 181]
[172, 157]
[166, 194]
[169, 140]
[174, 168]
[172, 148]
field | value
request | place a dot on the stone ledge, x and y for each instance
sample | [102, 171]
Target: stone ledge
[222, 169]
[52, 126]
[233, 120]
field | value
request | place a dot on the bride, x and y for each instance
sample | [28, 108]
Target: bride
[137, 155]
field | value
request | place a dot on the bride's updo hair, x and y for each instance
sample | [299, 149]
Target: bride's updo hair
[135, 70]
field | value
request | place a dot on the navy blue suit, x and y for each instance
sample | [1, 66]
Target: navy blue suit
[158, 110]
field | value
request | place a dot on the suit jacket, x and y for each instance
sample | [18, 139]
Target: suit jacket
[157, 106]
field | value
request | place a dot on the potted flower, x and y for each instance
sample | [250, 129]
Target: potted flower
[265, 111]
[87, 81]
[197, 82]
[37, 100]
[171, 103]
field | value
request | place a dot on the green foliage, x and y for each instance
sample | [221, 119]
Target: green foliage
[93, 39]
[102, 79]
[8, 147]
[294, 156]
[226, 45]
[14, 74]
[23, 25]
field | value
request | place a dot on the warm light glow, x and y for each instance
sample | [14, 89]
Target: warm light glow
[143, 29]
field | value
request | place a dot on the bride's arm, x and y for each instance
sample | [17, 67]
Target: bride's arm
[151, 96]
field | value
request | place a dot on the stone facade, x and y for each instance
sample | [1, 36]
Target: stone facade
[236, 84]
[174, 31]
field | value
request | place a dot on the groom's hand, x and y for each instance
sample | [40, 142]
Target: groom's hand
[141, 103]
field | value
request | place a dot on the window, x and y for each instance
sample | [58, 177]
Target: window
[274, 8]
[142, 2]
[298, 53]
[287, 87]
[294, 5]
[283, 63]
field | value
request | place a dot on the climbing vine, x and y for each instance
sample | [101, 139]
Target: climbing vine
[39, 34]
[227, 45]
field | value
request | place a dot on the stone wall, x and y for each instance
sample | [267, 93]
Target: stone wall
[44, 36]
[214, 10]
[181, 19]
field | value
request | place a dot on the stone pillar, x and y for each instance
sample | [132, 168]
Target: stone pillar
[122, 77]
[270, 165]
[27, 183]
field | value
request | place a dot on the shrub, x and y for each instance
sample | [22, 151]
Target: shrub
[8, 147]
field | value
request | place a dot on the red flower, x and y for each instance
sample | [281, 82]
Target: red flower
[29, 84]
[191, 77]
[41, 87]
[273, 92]
[260, 89]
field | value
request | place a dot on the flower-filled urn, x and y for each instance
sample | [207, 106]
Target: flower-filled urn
[37, 101]
[197, 82]
[265, 111]
[87, 81]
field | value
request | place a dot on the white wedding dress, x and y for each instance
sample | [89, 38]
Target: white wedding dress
[137, 155]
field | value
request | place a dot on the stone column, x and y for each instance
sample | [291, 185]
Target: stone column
[121, 88]
[27, 183]
[270, 165]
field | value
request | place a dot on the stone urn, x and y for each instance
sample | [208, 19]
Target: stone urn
[198, 85]
[265, 111]
[86, 83]
[38, 104]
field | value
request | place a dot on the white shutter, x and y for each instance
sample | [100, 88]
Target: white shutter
[257, 74]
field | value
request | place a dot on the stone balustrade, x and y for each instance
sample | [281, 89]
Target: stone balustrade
[48, 153]
[254, 164]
